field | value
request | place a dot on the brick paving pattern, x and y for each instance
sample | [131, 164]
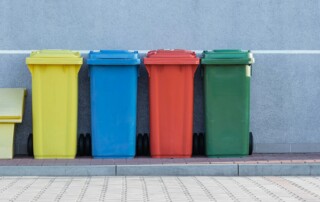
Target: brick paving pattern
[160, 189]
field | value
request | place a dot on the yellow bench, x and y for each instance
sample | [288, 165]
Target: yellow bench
[11, 112]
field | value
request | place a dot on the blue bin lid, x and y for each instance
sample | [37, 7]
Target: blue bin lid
[113, 57]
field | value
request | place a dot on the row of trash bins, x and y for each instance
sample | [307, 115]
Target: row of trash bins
[113, 89]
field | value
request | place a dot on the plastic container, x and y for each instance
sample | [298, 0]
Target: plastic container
[171, 84]
[227, 102]
[11, 112]
[113, 88]
[54, 102]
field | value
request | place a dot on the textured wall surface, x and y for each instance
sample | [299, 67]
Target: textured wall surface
[285, 87]
[145, 24]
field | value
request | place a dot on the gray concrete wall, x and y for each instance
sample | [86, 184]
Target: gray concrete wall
[285, 87]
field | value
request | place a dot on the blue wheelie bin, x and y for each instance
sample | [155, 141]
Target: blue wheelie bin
[113, 88]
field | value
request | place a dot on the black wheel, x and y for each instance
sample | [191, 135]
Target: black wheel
[145, 144]
[30, 145]
[250, 143]
[195, 146]
[201, 144]
[139, 145]
[81, 145]
[87, 145]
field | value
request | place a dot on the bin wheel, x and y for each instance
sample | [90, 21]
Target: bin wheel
[195, 146]
[30, 144]
[87, 145]
[145, 144]
[81, 145]
[139, 145]
[250, 143]
[201, 144]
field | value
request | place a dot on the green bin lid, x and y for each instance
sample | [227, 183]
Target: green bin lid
[54, 57]
[226, 57]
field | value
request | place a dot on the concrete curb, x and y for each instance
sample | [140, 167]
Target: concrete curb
[165, 170]
[103, 170]
[279, 169]
[178, 170]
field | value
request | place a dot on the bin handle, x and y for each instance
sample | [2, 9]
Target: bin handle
[194, 69]
[250, 66]
[148, 69]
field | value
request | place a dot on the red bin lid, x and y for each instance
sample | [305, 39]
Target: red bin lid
[175, 56]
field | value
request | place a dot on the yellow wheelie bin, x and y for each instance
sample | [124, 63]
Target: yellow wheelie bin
[54, 103]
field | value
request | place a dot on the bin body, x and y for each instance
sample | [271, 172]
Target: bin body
[113, 88]
[11, 112]
[54, 103]
[227, 102]
[171, 84]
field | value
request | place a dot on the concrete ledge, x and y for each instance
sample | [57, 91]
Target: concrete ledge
[279, 169]
[165, 170]
[105, 170]
[178, 170]
[272, 148]
[315, 169]
[287, 148]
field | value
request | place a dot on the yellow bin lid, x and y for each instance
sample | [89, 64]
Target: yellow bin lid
[12, 104]
[54, 57]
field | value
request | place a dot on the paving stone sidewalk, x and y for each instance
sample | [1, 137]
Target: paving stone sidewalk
[193, 188]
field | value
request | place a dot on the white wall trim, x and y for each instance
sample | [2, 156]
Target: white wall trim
[13, 52]
[286, 51]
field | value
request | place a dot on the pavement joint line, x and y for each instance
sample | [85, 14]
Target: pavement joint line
[312, 183]
[124, 193]
[302, 188]
[8, 186]
[244, 189]
[144, 189]
[24, 189]
[43, 190]
[184, 189]
[164, 189]
[238, 169]
[84, 189]
[63, 190]
[204, 189]
[231, 195]
[116, 170]
[266, 190]
[283, 188]
[104, 189]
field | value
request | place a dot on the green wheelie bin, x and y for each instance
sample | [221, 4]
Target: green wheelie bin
[227, 102]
